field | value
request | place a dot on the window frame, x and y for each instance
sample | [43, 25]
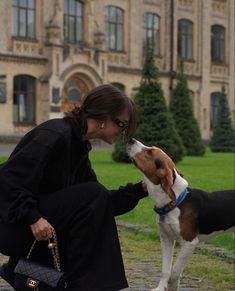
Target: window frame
[147, 29]
[218, 57]
[185, 38]
[26, 9]
[17, 81]
[78, 19]
[115, 24]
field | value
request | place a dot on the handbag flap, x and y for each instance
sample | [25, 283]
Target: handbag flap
[42, 273]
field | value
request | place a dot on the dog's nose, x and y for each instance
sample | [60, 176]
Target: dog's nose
[131, 141]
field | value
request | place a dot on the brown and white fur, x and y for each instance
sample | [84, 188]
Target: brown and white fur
[187, 223]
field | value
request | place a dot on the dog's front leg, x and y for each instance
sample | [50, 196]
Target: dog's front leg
[167, 246]
[183, 256]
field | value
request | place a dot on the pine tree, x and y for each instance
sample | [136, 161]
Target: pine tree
[156, 125]
[182, 111]
[223, 139]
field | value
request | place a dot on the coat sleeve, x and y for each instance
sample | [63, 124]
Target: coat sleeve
[127, 197]
[20, 176]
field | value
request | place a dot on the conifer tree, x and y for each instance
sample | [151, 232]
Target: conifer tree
[156, 125]
[223, 139]
[185, 122]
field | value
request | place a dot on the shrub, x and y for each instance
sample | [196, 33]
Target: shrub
[185, 122]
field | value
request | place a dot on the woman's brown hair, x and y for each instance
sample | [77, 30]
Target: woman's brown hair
[104, 101]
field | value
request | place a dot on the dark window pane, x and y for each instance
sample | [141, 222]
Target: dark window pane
[31, 4]
[66, 4]
[31, 23]
[71, 29]
[112, 14]
[66, 27]
[112, 36]
[23, 3]
[185, 39]
[15, 21]
[72, 7]
[74, 95]
[119, 37]
[24, 99]
[79, 8]
[218, 44]
[79, 29]
[151, 34]
[22, 23]
[114, 28]
[119, 16]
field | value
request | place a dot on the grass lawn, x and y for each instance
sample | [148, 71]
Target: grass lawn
[214, 171]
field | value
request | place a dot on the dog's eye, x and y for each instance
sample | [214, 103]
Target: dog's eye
[149, 152]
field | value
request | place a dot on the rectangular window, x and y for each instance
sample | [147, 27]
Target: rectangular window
[114, 28]
[73, 21]
[23, 18]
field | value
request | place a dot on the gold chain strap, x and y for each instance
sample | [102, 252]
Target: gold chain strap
[53, 246]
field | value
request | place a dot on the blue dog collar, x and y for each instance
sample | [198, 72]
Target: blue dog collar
[171, 205]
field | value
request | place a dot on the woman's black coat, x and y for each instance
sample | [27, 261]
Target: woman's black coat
[49, 158]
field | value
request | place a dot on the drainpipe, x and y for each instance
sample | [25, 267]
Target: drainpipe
[172, 72]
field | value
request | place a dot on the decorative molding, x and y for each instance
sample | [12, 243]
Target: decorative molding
[23, 59]
[152, 2]
[190, 68]
[25, 47]
[219, 6]
[138, 72]
[188, 3]
[119, 59]
[219, 70]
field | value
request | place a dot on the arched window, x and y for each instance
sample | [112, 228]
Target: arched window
[73, 21]
[151, 36]
[74, 95]
[24, 99]
[218, 44]
[23, 17]
[114, 28]
[215, 96]
[185, 39]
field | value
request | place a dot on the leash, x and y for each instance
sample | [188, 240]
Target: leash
[171, 205]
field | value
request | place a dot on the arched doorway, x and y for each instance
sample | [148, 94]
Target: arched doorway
[73, 92]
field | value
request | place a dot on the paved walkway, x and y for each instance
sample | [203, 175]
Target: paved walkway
[140, 278]
[6, 149]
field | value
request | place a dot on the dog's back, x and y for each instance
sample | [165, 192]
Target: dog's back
[215, 210]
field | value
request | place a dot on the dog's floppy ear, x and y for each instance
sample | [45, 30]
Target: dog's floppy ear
[165, 174]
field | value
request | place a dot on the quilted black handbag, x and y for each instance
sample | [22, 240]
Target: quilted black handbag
[30, 275]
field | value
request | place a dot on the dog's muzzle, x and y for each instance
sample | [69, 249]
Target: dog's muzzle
[133, 147]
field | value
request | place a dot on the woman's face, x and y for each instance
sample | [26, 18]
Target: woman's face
[114, 127]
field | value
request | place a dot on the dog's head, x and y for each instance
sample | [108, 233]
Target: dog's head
[155, 164]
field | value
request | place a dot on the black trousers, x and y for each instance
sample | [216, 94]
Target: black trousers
[82, 216]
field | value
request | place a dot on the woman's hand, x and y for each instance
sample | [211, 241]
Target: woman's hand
[42, 229]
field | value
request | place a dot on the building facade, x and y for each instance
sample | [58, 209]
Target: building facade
[52, 52]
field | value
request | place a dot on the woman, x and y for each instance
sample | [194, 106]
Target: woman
[48, 183]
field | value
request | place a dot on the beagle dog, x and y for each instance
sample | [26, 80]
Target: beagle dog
[184, 214]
